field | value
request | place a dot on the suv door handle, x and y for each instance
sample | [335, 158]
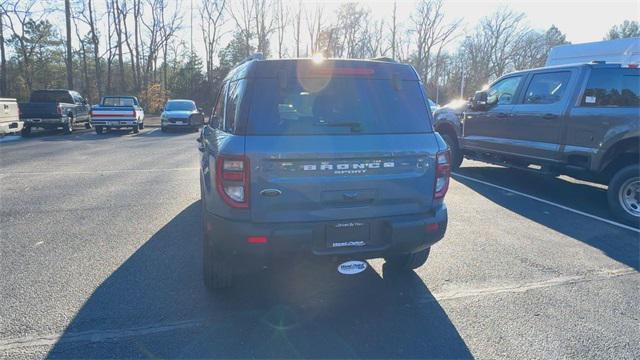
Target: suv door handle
[549, 116]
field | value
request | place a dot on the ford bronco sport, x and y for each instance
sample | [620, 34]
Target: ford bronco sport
[335, 158]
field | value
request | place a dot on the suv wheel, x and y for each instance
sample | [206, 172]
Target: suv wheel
[163, 129]
[456, 155]
[136, 129]
[624, 194]
[26, 131]
[99, 129]
[87, 125]
[408, 262]
[141, 126]
[216, 271]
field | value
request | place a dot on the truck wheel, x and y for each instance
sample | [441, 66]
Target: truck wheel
[68, 127]
[136, 129]
[141, 126]
[456, 155]
[99, 129]
[623, 194]
[26, 131]
[408, 262]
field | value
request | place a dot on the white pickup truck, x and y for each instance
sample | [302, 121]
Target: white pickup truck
[117, 112]
[9, 117]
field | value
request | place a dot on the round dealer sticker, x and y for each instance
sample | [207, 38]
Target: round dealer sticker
[352, 267]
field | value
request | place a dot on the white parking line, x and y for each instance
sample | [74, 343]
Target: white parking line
[610, 222]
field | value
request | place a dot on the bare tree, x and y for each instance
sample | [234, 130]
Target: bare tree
[264, 23]
[87, 14]
[243, 17]
[314, 26]
[3, 59]
[211, 22]
[394, 30]
[502, 30]
[297, 25]
[282, 19]
[18, 14]
[431, 32]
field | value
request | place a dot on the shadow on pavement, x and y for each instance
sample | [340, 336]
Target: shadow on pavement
[294, 309]
[618, 243]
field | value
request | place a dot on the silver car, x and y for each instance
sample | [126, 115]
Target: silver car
[178, 113]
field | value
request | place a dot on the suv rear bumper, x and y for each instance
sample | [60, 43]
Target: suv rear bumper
[396, 235]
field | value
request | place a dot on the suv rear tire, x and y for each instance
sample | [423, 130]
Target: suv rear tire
[136, 129]
[408, 262]
[623, 194]
[99, 129]
[26, 131]
[454, 148]
[217, 271]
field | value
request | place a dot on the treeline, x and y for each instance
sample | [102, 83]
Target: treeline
[143, 47]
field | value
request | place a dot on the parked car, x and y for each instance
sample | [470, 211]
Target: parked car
[9, 117]
[579, 120]
[336, 159]
[117, 112]
[54, 109]
[179, 113]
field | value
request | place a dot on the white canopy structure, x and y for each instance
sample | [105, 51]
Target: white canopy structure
[619, 51]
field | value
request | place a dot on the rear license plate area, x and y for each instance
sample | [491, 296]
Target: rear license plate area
[350, 234]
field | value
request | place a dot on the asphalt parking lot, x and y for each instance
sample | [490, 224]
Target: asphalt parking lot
[101, 258]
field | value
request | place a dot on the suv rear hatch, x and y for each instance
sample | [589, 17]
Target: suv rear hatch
[339, 147]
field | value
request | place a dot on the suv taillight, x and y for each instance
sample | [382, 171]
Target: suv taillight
[443, 172]
[232, 180]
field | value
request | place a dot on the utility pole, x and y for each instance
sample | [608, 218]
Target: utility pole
[67, 13]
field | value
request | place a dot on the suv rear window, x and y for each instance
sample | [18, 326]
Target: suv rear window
[51, 96]
[324, 106]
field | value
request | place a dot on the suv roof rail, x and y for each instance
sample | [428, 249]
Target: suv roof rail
[383, 58]
[254, 56]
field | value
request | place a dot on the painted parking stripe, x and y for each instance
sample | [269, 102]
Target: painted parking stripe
[610, 222]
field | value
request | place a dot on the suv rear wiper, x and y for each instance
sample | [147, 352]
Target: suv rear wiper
[354, 125]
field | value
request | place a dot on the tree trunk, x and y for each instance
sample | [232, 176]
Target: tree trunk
[96, 51]
[67, 12]
[3, 62]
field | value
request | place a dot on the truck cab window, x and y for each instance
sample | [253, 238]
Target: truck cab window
[547, 88]
[612, 87]
[502, 92]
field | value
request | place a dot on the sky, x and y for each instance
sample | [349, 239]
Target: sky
[580, 20]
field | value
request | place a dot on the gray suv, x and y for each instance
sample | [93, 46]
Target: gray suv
[336, 159]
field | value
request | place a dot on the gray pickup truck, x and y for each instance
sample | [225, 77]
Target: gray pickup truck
[577, 120]
[53, 109]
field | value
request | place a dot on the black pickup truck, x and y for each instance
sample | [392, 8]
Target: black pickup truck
[53, 109]
[577, 120]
